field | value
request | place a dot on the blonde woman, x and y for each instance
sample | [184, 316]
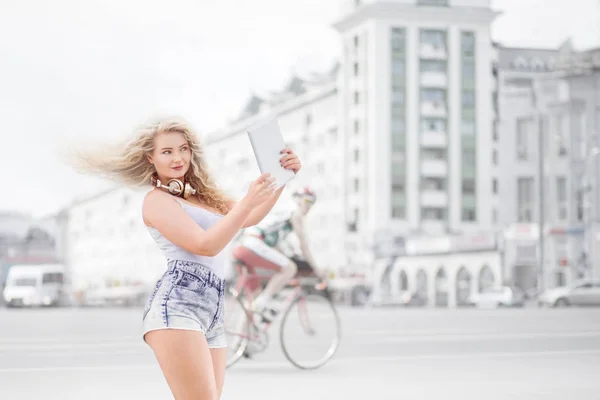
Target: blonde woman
[192, 221]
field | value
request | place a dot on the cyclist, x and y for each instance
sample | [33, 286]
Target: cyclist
[264, 250]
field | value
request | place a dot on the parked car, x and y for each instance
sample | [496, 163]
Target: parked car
[503, 296]
[34, 285]
[578, 293]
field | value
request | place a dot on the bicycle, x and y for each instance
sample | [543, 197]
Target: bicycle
[253, 327]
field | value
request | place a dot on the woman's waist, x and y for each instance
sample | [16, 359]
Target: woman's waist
[203, 270]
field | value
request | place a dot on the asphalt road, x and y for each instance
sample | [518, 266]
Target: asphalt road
[386, 353]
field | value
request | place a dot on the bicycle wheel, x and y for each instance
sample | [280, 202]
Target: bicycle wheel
[310, 331]
[237, 327]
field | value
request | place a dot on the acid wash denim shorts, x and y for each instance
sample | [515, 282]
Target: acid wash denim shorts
[188, 296]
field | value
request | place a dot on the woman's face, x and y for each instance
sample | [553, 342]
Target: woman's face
[171, 156]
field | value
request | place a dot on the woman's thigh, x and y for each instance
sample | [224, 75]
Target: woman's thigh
[186, 362]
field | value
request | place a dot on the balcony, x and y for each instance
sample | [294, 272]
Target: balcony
[434, 168]
[434, 139]
[434, 198]
[434, 79]
[430, 51]
[434, 109]
[434, 228]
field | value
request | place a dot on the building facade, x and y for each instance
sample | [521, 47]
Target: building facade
[108, 243]
[307, 112]
[547, 115]
[396, 138]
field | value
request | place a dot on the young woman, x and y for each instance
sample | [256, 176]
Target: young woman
[192, 221]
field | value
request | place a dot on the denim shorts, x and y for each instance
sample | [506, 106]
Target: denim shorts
[188, 296]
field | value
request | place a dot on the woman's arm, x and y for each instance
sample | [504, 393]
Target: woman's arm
[168, 217]
[289, 160]
[162, 211]
[260, 212]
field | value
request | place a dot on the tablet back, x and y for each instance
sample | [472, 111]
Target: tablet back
[267, 143]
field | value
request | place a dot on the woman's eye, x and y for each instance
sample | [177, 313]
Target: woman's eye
[167, 152]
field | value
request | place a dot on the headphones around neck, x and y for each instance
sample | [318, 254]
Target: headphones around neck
[175, 187]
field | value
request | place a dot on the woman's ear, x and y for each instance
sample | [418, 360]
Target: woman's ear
[149, 158]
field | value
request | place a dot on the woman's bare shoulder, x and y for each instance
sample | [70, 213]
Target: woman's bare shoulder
[155, 200]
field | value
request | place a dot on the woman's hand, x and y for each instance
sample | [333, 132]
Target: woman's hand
[259, 191]
[290, 160]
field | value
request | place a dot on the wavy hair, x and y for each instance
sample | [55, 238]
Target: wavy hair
[129, 163]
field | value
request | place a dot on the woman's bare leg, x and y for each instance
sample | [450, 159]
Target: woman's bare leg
[186, 363]
[219, 359]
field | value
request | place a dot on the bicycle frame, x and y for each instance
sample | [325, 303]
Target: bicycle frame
[248, 284]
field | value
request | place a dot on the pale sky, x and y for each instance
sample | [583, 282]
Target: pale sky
[75, 71]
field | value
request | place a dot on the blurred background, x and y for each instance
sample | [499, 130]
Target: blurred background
[453, 146]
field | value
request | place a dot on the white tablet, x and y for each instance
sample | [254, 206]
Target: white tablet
[267, 143]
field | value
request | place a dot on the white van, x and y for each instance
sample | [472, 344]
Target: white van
[34, 285]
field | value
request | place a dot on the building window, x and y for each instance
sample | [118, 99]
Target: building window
[428, 154]
[356, 71]
[495, 157]
[433, 184]
[495, 130]
[356, 185]
[433, 214]
[356, 42]
[468, 44]
[562, 129]
[468, 214]
[356, 127]
[438, 66]
[433, 125]
[308, 120]
[468, 99]
[356, 155]
[398, 213]
[561, 198]
[398, 122]
[525, 199]
[436, 96]
[494, 216]
[433, 38]
[468, 186]
[468, 128]
[522, 139]
[356, 98]
[495, 185]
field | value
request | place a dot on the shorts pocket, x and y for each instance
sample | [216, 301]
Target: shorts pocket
[189, 281]
[151, 298]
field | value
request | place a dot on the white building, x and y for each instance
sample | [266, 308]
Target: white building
[396, 139]
[441, 272]
[565, 100]
[108, 243]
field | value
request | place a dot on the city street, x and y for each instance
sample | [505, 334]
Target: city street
[386, 353]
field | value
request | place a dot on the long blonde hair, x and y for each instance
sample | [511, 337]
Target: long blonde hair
[129, 163]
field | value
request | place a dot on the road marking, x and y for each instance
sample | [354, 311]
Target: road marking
[435, 332]
[64, 339]
[478, 337]
[116, 367]
[66, 346]
[335, 361]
